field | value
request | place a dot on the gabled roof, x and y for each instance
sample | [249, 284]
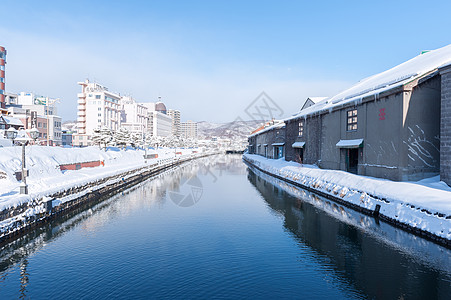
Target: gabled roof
[316, 99]
[312, 101]
[415, 68]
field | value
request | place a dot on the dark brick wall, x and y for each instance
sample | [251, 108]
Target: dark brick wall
[445, 125]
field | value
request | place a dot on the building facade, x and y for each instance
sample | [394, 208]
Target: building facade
[97, 107]
[394, 125]
[445, 124]
[189, 129]
[175, 116]
[134, 116]
[37, 112]
[2, 80]
[159, 123]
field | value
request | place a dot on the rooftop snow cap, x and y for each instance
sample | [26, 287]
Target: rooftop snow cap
[415, 68]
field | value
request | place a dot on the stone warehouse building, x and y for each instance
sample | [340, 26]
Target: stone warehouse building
[394, 125]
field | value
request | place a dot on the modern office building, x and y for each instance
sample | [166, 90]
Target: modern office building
[189, 129]
[175, 116]
[2, 80]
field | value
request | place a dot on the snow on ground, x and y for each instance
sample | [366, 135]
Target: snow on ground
[46, 178]
[424, 204]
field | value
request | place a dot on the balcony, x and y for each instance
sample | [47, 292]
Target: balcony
[81, 113]
[81, 95]
[81, 119]
[82, 101]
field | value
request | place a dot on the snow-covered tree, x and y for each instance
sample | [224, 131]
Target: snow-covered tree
[96, 137]
[102, 136]
[106, 135]
[135, 139]
[121, 137]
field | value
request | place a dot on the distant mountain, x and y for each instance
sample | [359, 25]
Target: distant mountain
[237, 129]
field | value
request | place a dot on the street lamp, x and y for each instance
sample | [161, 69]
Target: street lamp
[23, 139]
[11, 133]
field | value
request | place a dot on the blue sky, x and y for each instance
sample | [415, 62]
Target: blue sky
[210, 59]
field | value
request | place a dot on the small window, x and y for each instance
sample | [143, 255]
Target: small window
[352, 120]
[97, 96]
[301, 128]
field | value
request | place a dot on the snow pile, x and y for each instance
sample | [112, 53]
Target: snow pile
[417, 67]
[425, 205]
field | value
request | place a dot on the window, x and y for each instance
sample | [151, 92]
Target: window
[99, 108]
[97, 96]
[352, 120]
[301, 128]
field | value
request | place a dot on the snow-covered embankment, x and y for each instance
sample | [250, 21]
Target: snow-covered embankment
[422, 207]
[47, 182]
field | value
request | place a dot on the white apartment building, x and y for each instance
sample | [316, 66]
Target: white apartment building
[175, 116]
[97, 107]
[189, 129]
[134, 116]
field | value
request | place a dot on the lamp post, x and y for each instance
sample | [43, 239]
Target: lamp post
[12, 133]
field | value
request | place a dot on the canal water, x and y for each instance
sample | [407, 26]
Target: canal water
[215, 228]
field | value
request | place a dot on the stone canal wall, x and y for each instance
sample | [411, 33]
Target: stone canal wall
[17, 221]
[338, 196]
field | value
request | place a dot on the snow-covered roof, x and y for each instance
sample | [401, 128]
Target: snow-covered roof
[277, 125]
[278, 144]
[316, 99]
[415, 68]
[12, 121]
[350, 143]
[298, 145]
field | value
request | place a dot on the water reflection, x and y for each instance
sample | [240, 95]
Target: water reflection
[144, 196]
[380, 260]
[23, 278]
[228, 244]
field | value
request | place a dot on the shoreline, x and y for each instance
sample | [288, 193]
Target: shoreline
[371, 206]
[27, 216]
